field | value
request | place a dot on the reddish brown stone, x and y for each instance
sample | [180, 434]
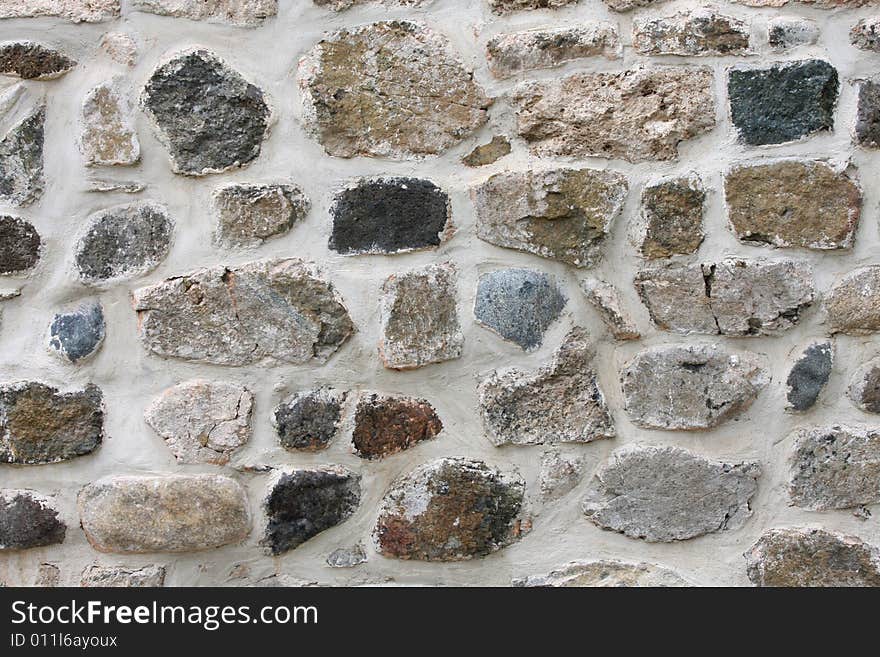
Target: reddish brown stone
[387, 425]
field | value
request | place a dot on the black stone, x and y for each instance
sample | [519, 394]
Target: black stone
[868, 115]
[21, 161]
[19, 245]
[309, 420]
[390, 215]
[78, 334]
[784, 102]
[26, 522]
[809, 375]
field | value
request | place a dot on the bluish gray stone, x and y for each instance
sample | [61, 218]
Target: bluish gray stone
[809, 375]
[77, 335]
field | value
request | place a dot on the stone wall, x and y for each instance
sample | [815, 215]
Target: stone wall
[439, 292]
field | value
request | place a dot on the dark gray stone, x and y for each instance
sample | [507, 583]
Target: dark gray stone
[27, 521]
[19, 245]
[33, 61]
[809, 375]
[77, 335]
[309, 420]
[867, 130]
[21, 160]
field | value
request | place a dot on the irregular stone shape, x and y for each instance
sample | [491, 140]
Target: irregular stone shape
[109, 137]
[672, 212]
[628, 5]
[559, 474]
[120, 47]
[636, 115]
[449, 510]
[864, 387]
[40, 425]
[853, 303]
[606, 573]
[812, 557]
[699, 32]
[76, 11]
[309, 420]
[33, 61]
[304, 503]
[202, 421]
[488, 153]
[867, 128]
[418, 315]
[516, 52]
[120, 576]
[865, 35]
[559, 403]
[665, 494]
[21, 160]
[389, 215]
[347, 557]
[20, 245]
[561, 214]
[791, 203]
[690, 387]
[784, 32]
[389, 89]
[270, 310]
[207, 115]
[519, 305]
[173, 513]
[341, 5]
[123, 242]
[505, 6]
[27, 520]
[122, 186]
[243, 13]
[76, 335]
[835, 467]
[784, 102]
[248, 215]
[808, 376]
[48, 576]
[605, 298]
[385, 425]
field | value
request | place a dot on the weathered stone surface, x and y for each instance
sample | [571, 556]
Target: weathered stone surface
[207, 115]
[120, 576]
[418, 316]
[109, 137]
[27, 520]
[448, 510]
[865, 35]
[48, 576]
[690, 387]
[516, 52]
[808, 376]
[122, 48]
[20, 245]
[244, 13]
[558, 403]
[732, 297]
[76, 335]
[248, 215]
[76, 11]
[518, 304]
[270, 310]
[698, 32]
[672, 212]
[867, 128]
[488, 153]
[102, 185]
[39, 425]
[385, 425]
[786, 32]
[21, 160]
[793, 203]
[812, 557]
[390, 215]
[665, 494]
[33, 61]
[309, 420]
[864, 387]
[853, 303]
[174, 513]
[561, 214]
[123, 242]
[347, 557]
[389, 89]
[559, 474]
[341, 5]
[606, 573]
[628, 5]
[304, 503]
[605, 298]
[784, 102]
[636, 115]
[202, 421]
[505, 6]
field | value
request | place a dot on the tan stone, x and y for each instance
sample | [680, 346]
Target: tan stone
[606, 573]
[108, 137]
[853, 303]
[605, 298]
[76, 11]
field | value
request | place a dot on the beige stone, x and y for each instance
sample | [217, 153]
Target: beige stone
[108, 136]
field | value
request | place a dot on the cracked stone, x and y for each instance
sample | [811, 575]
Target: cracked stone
[559, 474]
[248, 215]
[21, 160]
[385, 425]
[605, 298]
[506, 6]
[864, 387]
[33, 61]
[75, 336]
[672, 218]
[697, 32]
[488, 153]
[808, 376]
[109, 137]
[20, 245]
[242, 13]
[309, 420]
[867, 128]
[606, 573]
[865, 35]
[120, 576]
[76, 11]
[784, 32]
[27, 520]
[853, 303]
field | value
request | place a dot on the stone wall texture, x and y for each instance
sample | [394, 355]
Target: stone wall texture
[439, 292]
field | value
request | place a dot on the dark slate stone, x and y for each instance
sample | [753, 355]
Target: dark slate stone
[784, 102]
[21, 160]
[309, 420]
[809, 375]
[77, 335]
[518, 304]
[867, 130]
[19, 245]
[391, 215]
[27, 521]
[306, 502]
[32, 61]
[209, 117]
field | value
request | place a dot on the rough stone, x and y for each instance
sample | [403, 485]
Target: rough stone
[636, 115]
[784, 102]
[510, 54]
[812, 557]
[853, 303]
[808, 376]
[559, 474]
[518, 304]
[122, 48]
[506, 6]
[264, 311]
[385, 425]
[40, 425]
[390, 215]
[867, 128]
[304, 503]
[243, 13]
[698, 32]
[785, 32]
[347, 557]
[488, 153]
[33, 61]
[309, 420]
[672, 212]
[606, 573]
[864, 387]
[109, 137]
[120, 576]
[558, 403]
[207, 115]
[202, 421]
[76, 335]
[690, 387]
[561, 214]
[48, 576]
[605, 298]
[248, 215]
[20, 245]
[389, 89]
[76, 11]
[666, 494]
[793, 204]
[124, 242]
[418, 315]
[865, 35]
[622, 6]
[173, 513]
[21, 160]
[449, 510]
[27, 520]
[101, 185]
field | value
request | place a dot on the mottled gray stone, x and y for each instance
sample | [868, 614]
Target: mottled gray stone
[76, 11]
[243, 13]
[309, 420]
[33, 61]
[347, 557]
[559, 475]
[102, 185]
[48, 576]
[120, 576]
[698, 32]
[867, 128]
[27, 520]
[665, 494]
[21, 160]
[342, 5]
[248, 215]
[864, 387]
[109, 137]
[787, 32]
[606, 573]
[76, 335]
[808, 376]
[852, 305]
[865, 35]
[605, 298]
[20, 245]
[506, 6]
[672, 217]
[628, 5]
